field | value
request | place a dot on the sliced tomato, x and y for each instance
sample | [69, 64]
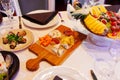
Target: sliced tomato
[56, 40]
[68, 32]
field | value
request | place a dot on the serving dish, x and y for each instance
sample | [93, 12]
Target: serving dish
[29, 37]
[103, 27]
[13, 69]
[30, 24]
[100, 41]
[66, 73]
[54, 47]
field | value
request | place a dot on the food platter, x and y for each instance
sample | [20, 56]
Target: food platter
[30, 24]
[15, 65]
[65, 73]
[97, 34]
[54, 48]
[29, 40]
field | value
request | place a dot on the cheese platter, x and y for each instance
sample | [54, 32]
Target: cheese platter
[55, 47]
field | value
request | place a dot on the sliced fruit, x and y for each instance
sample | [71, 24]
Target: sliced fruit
[45, 41]
[110, 35]
[102, 8]
[95, 11]
[95, 26]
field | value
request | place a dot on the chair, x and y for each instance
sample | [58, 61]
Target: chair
[112, 2]
[24, 6]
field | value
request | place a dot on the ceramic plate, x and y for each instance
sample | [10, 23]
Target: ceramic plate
[52, 23]
[65, 73]
[15, 65]
[28, 36]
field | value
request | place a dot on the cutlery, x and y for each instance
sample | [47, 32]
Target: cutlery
[61, 17]
[20, 25]
[93, 75]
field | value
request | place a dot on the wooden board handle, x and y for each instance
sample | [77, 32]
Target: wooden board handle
[33, 64]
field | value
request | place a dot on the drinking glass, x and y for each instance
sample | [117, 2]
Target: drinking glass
[105, 69]
[114, 50]
[93, 2]
[8, 9]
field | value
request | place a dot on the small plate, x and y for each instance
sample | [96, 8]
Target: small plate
[29, 37]
[30, 24]
[15, 65]
[65, 73]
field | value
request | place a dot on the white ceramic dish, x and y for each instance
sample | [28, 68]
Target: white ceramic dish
[29, 37]
[63, 72]
[52, 23]
[101, 41]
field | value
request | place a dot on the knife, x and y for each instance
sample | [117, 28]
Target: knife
[93, 75]
[20, 25]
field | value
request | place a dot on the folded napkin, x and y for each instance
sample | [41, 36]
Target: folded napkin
[40, 18]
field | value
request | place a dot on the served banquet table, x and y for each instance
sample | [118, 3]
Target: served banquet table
[78, 60]
[81, 59]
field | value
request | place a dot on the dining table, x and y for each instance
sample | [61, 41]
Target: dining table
[82, 58]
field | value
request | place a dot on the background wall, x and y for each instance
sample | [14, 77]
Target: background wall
[61, 5]
[30, 5]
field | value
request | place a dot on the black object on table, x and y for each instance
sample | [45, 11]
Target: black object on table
[93, 75]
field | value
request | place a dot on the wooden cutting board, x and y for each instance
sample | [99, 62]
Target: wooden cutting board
[49, 56]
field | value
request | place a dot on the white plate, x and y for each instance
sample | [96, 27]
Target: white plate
[52, 23]
[63, 72]
[28, 36]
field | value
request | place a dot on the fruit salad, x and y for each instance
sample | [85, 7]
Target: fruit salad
[100, 21]
[112, 21]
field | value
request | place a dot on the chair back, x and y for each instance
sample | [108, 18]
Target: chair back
[25, 6]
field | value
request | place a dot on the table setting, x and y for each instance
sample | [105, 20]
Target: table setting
[55, 49]
[104, 50]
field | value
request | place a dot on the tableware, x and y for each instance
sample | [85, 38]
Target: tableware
[29, 37]
[20, 24]
[117, 71]
[101, 41]
[52, 51]
[8, 9]
[30, 24]
[15, 64]
[65, 73]
[93, 75]
[105, 69]
[61, 17]
[114, 50]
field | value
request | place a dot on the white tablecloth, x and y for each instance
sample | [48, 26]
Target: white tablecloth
[80, 59]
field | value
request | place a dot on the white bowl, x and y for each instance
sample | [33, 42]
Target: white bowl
[101, 41]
